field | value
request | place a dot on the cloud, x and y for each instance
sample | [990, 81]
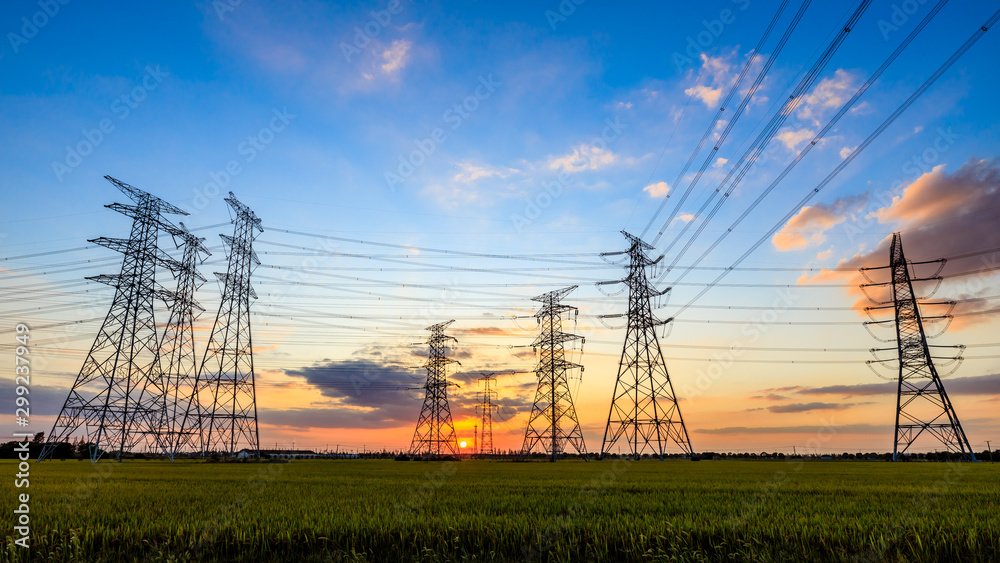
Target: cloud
[976, 385]
[719, 162]
[583, 157]
[940, 215]
[757, 430]
[366, 393]
[685, 217]
[47, 400]
[792, 139]
[716, 71]
[659, 189]
[470, 172]
[806, 407]
[830, 93]
[808, 227]
[395, 56]
[825, 254]
[846, 152]
[708, 96]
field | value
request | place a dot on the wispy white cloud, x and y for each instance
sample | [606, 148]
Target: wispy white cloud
[829, 94]
[659, 189]
[793, 139]
[583, 157]
[395, 56]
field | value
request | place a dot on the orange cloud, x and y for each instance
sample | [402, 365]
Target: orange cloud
[808, 227]
[940, 215]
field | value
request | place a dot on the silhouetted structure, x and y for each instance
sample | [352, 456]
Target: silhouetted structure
[118, 395]
[553, 423]
[435, 432]
[178, 361]
[921, 401]
[225, 410]
[644, 410]
[486, 411]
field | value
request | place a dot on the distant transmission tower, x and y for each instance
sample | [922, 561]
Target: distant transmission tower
[178, 361]
[226, 393]
[921, 401]
[435, 432]
[553, 423]
[644, 410]
[486, 407]
[118, 394]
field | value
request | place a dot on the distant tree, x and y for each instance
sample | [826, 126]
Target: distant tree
[63, 450]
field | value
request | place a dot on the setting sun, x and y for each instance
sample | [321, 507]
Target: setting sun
[462, 444]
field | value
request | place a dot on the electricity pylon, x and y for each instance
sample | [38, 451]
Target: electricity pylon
[553, 423]
[178, 361]
[226, 393]
[922, 404]
[644, 410]
[118, 394]
[435, 432]
[486, 407]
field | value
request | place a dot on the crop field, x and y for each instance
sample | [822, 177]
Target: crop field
[374, 510]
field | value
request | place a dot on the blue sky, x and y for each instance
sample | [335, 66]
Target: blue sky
[312, 106]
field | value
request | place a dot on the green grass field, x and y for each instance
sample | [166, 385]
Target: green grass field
[495, 511]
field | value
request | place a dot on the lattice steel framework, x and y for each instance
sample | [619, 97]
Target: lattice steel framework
[435, 431]
[486, 406]
[226, 391]
[178, 360]
[118, 394]
[553, 424]
[922, 404]
[644, 411]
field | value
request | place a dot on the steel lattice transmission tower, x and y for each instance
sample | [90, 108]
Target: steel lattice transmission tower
[118, 394]
[486, 407]
[178, 359]
[921, 401]
[553, 423]
[644, 411]
[226, 393]
[435, 431]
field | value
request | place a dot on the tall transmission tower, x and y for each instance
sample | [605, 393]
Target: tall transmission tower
[644, 411]
[178, 361]
[487, 395]
[226, 394]
[435, 432]
[118, 394]
[922, 404]
[553, 423]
